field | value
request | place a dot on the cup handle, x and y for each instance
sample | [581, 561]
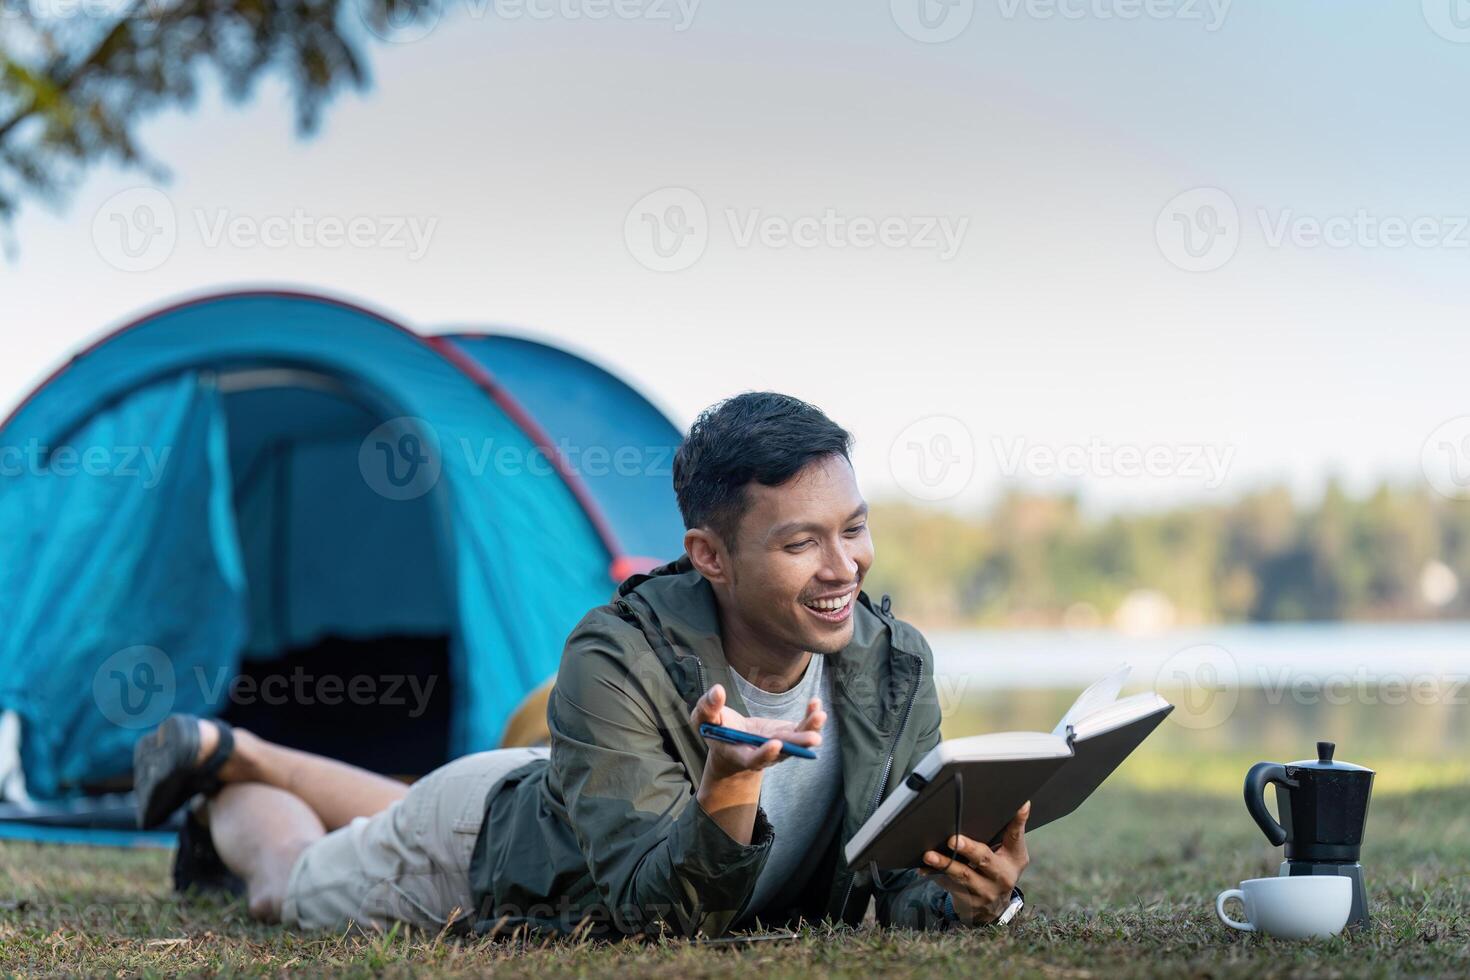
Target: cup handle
[1220, 901]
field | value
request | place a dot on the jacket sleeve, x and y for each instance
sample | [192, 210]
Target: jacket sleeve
[908, 899]
[656, 857]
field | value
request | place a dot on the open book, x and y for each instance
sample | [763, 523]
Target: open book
[981, 781]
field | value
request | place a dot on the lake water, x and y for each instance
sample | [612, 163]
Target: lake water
[1259, 655]
[1384, 692]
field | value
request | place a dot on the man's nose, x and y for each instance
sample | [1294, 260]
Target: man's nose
[840, 566]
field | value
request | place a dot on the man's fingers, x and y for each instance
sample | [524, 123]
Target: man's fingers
[710, 707]
[1016, 829]
[813, 723]
[768, 754]
[972, 852]
[956, 869]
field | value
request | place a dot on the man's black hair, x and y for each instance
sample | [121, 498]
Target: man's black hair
[757, 436]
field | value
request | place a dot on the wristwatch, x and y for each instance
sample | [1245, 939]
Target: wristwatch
[1018, 899]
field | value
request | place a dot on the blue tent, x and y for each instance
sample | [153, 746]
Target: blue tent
[288, 490]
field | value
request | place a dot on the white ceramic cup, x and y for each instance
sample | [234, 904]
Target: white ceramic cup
[1302, 907]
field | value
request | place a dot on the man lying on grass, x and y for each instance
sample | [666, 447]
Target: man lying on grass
[632, 821]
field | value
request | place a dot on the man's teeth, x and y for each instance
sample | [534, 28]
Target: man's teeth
[830, 605]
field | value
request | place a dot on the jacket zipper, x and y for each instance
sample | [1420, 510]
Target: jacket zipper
[887, 770]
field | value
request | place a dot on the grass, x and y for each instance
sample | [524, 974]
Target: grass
[1124, 888]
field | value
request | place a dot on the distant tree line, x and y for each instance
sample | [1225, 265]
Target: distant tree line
[1396, 553]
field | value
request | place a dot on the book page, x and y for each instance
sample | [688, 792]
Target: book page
[1102, 693]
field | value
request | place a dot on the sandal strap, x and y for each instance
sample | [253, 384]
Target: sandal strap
[207, 775]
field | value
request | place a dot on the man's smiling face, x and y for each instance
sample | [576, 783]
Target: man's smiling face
[800, 554]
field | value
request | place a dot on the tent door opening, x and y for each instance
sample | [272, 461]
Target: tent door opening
[350, 617]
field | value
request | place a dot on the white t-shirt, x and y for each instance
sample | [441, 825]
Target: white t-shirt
[801, 797]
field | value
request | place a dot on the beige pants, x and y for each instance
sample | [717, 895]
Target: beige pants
[411, 862]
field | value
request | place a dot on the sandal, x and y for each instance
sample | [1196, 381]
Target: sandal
[165, 776]
[197, 865]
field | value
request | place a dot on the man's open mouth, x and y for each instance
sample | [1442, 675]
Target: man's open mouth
[833, 609]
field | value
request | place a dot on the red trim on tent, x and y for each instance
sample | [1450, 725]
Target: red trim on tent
[630, 565]
[538, 436]
[466, 365]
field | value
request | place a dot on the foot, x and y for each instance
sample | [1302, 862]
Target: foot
[171, 765]
[208, 741]
[197, 864]
[239, 765]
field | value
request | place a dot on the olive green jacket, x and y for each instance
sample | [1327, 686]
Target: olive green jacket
[607, 836]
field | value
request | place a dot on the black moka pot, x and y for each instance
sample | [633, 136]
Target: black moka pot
[1324, 808]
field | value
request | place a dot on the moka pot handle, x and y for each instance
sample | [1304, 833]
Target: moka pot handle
[1255, 797]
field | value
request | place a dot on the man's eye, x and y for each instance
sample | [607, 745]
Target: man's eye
[857, 529]
[800, 545]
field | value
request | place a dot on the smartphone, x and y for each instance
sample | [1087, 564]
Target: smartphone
[735, 737]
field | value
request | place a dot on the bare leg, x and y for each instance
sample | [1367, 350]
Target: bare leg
[259, 832]
[334, 791]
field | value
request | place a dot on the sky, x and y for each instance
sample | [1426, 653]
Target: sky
[1150, 251]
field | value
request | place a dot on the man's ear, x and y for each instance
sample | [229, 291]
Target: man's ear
[707, 554]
